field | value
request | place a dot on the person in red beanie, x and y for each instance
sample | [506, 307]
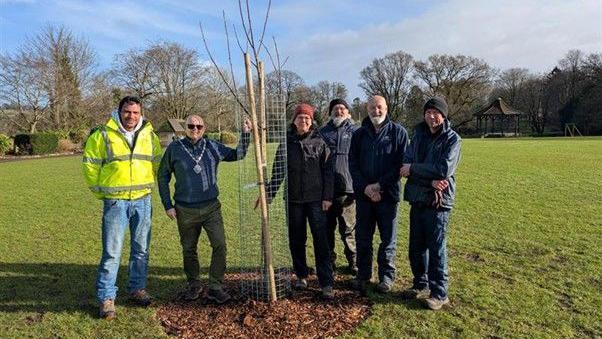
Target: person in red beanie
[310, 180]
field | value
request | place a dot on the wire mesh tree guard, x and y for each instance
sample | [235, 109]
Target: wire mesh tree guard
[264, 256]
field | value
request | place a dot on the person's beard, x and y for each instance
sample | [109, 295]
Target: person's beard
[337, 121]
[376, 121]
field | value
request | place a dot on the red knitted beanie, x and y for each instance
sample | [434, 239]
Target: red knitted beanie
[304, 109]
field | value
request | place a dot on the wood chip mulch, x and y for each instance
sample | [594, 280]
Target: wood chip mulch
[304, 314]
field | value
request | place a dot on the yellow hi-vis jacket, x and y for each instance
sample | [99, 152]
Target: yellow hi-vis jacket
[114, 171]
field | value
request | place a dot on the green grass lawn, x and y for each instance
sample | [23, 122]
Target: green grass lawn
[525, 244]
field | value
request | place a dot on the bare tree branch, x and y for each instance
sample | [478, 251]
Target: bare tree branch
[219, 71]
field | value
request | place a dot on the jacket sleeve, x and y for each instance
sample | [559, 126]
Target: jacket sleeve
[445, 167]
[355, 150]
[232, 154]
[164, 177]
[157, 153]
[408, 155]
[93, 160]
[278, 174]
[391, 177]
[327, 162]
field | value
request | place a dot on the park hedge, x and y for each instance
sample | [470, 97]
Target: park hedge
[37, 143]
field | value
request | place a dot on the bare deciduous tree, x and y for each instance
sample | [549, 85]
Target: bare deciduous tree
[169, 77]
[66, 67]
[509, 84]
[464, 82]
[23, 90]
[325, 91]
[135, 71]
[389, 77]
[180, 77]
[285, 83]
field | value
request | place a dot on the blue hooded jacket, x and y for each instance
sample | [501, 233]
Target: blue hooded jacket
[377, 157]
[338, 140]
[433, 157]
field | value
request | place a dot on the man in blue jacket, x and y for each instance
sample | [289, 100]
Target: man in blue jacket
[337, 134]
[430, 166]
[375, 158]
[194, 161]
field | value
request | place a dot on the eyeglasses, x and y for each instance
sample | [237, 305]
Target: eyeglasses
[192, 126]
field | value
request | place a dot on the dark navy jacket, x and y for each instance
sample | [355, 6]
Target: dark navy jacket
[192, 189]
[377, 158]
[338, 140]
[433, 157]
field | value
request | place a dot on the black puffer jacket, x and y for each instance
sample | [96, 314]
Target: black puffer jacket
[309, 171]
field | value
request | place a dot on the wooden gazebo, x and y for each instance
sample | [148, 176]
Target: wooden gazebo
[505, 120]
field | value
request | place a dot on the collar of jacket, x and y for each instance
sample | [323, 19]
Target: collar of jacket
[422, 128]
[188, 142]
[112, 124]
[345, 122]
[367, 123]
[292, 132]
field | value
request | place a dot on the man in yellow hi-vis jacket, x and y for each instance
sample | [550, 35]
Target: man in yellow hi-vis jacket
[119, 164]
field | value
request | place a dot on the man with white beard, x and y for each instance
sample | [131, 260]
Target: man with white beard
[375, 159]
[337, 135]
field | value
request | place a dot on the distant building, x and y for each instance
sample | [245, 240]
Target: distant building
[171, 130]
[498, 119]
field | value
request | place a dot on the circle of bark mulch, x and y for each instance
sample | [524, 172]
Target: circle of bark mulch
[304, 314]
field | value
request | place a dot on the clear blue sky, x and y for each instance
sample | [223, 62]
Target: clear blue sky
[328, 39]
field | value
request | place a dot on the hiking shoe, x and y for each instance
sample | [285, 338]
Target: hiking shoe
[141, 297]
[383, 287]
[328, 292]
[107, 309]
[218, 295]
[301, 284]
[193, 291]
[415, 293]
[359, 285]
[436, 304]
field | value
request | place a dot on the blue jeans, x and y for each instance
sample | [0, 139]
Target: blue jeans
[117, 216]
[428, 249]
[369, 215]
[299, 215]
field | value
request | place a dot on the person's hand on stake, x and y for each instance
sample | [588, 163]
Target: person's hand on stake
[247, 126]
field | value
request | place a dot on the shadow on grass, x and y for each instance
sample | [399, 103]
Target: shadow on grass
[57, 287]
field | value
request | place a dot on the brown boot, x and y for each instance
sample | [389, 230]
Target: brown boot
[141, 297]
[107, 309]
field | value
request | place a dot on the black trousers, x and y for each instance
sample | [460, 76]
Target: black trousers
[299, 214]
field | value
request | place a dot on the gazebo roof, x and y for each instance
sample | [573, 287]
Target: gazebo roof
[497, 107]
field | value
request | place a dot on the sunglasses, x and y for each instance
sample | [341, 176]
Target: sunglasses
[192, 126]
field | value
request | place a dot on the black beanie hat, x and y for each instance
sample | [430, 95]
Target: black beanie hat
[437, 103]
[337, 102]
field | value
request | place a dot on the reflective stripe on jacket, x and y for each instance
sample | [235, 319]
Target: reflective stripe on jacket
[113, 170]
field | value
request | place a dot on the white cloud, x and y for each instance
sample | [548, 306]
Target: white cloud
[533, 34]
